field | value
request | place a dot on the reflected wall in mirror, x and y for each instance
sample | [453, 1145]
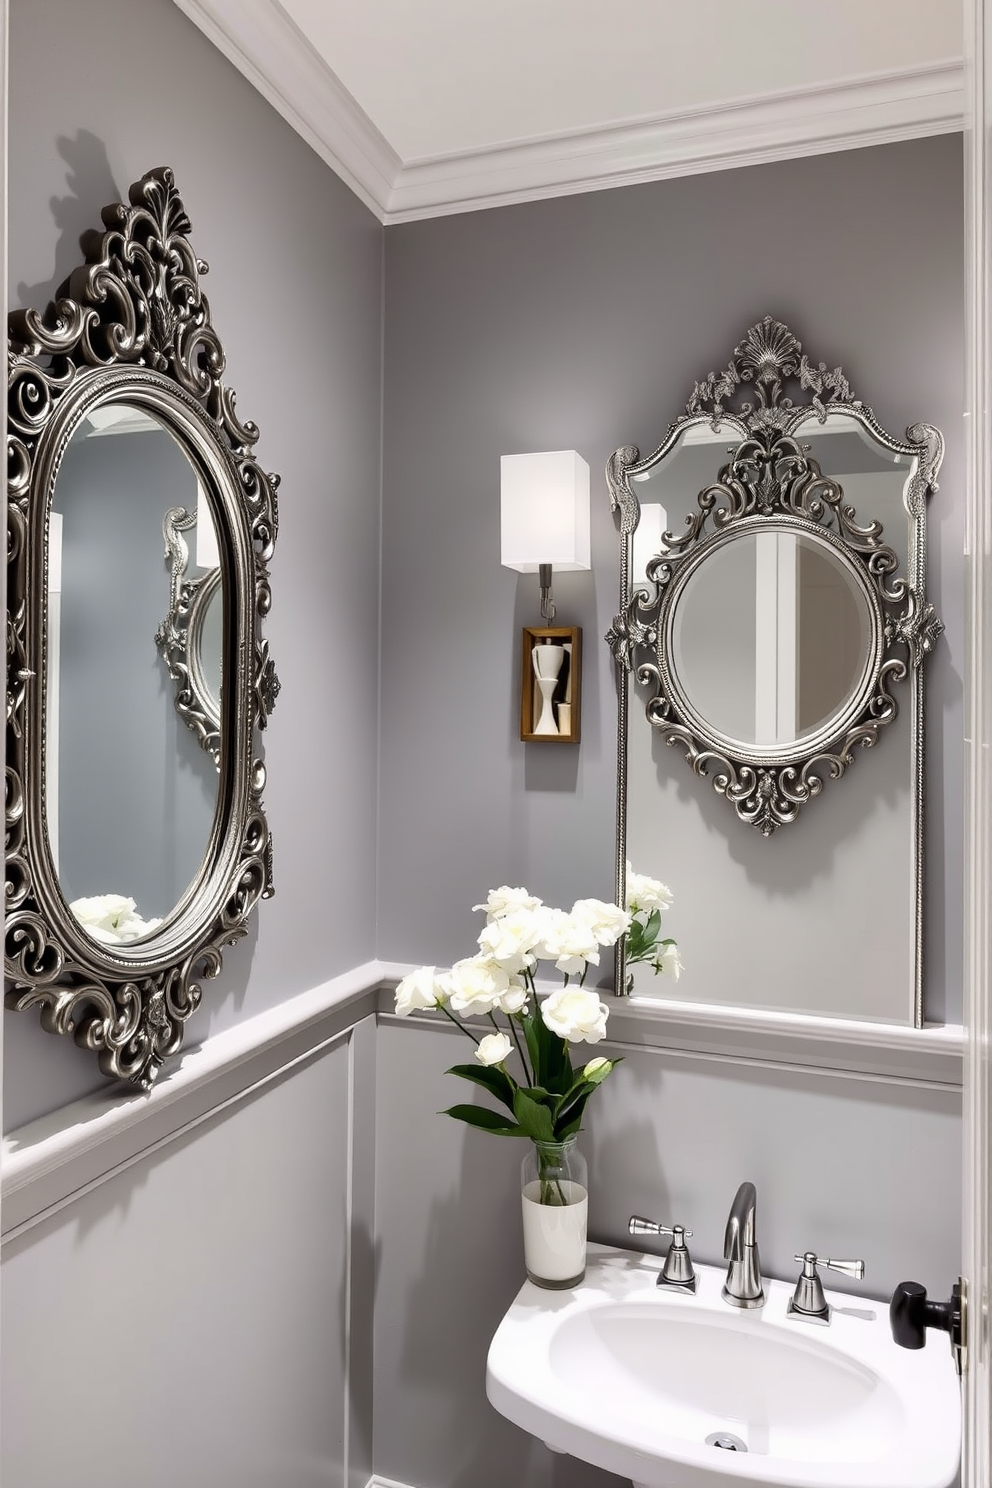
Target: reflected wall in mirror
[771, 623]
[136, 849]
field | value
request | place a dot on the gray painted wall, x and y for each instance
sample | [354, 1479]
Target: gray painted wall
[295, 293]
[583, 323]
[574, 323]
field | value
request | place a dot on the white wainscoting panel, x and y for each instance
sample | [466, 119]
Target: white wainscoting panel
[55, 1158]
[203, 1295]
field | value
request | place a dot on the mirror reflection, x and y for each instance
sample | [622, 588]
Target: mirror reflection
[796, 652]
[122, 771]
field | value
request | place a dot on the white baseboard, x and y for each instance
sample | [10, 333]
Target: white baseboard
[376, 1482]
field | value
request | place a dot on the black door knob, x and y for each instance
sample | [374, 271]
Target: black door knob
[911, 1314]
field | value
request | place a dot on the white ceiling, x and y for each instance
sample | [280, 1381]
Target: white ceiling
[430, 106]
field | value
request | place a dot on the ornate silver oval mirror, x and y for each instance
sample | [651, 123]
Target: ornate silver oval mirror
[773, 587]
[133, 854]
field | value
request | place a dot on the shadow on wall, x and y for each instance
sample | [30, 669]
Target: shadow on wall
[89, 181]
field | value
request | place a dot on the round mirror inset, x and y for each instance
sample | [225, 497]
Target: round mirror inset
[130, 796]
[771, 637]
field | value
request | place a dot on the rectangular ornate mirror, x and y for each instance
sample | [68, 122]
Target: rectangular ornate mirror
[775, 639]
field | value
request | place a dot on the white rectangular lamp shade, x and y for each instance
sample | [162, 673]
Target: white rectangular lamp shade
[653, 523]
[544, 511]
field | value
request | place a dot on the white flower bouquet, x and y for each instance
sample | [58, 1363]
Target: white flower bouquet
[112, 918]
[647, 899]
[546, 1099]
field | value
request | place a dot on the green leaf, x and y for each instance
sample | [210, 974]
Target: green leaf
[569, 1119]
[535, 1119]
[555, 1064]
[485, 1120]
[496, 1081]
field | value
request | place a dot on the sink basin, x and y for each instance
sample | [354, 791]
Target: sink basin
[641, 1381]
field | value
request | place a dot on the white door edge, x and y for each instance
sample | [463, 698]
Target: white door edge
[977, 1145]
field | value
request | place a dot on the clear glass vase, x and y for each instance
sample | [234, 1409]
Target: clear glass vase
[554, 1195]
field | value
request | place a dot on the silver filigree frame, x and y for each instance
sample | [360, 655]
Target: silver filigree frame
[132, 325]
[180, 636]
[770, 482]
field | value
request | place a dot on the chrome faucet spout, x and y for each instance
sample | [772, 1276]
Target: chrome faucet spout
[740, 1224]
[743, 1286]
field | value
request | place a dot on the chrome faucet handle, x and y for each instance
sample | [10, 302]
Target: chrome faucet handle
[677, 1271]
[638, 1226]
[808, 1302]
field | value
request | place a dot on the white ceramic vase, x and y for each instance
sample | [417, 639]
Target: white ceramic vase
[547, 659]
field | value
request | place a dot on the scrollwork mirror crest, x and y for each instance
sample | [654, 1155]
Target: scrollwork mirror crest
[777, 562]
[127, 348]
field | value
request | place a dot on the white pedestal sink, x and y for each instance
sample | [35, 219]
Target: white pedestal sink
[639, 1380]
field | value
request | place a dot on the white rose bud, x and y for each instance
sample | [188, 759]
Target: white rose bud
[493, 1049]
[596, 1067]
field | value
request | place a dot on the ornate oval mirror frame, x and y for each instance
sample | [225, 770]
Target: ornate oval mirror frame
[132, 326]
[770, 482]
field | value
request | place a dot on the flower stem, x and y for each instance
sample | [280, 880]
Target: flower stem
[516, 1039]
[551, 1189]
[451, 1017]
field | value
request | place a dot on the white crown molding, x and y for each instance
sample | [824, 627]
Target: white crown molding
[781, 126]
[272, 53]
[269, 50]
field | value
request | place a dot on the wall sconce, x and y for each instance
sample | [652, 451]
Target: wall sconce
[544, 525]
